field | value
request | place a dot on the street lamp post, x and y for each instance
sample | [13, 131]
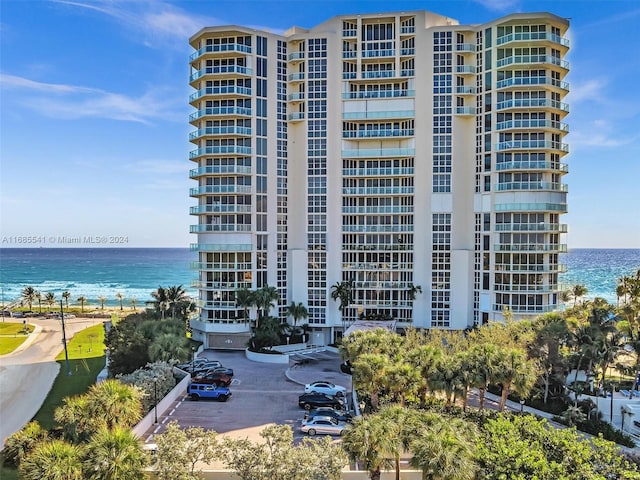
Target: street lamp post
[193, 358]
[522, 405]
[64, 341]
[155, 399]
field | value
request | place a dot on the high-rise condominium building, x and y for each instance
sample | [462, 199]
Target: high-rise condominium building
[413, 161]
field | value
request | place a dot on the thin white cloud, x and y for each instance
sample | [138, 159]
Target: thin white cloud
[592, 89]
[73, 102]
[600, 133]
[618, 17]
[499, 5]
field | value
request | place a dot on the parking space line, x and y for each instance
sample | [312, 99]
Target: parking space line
[166, 419]
[157, 429]
[172, 411]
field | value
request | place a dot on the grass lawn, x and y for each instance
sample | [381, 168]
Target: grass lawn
[14, 337]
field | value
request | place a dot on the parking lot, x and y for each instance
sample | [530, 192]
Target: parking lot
[261, 394]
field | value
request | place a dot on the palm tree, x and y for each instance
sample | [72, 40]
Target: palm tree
[29, 296]
[168, 346]
[102, 299]
[578, 291]
[245, 299]
[82, 301]
[133, 304]
[66, 296]
[515, 372]
[264, 299]
[119, 298]
[115, 403]
[444, 451]
[369, 374]
[447, 376]
[160, 296]
[175, 296]
[115, 455]
[50, 298]
[53, 460]
[342, 291]
[367, 441]
[297, 310]
[164, 307]
[412, 290]
[19, 444]
[38, 296]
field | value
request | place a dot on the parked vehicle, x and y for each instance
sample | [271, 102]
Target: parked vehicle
[322, 425]
[325, 387]
[225, 370]
[315, 399]
[339, 415]
[216, 378]
[196, 391]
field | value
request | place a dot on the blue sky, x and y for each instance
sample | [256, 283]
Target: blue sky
[93, 126]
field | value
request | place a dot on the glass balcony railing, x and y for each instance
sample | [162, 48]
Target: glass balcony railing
[378, 172]
[377, 228]
[378, 190]
[295, 77]
[532, 124]
[407, 73]
[295, 56]
[407, 29]
[209, 189]
[220, 266]
[530, 247]
[378, 53]
[466, 90]
[532, 59]
[220, 70]
[532, 103]
[552, 186]
[220, 247]
[349, 54]
[406, 52]
[506, 267]
[528, 36]
[380, 209]
[350, 33]
[531, 227]
[465, 111]
[220, 170]
[207, 209]
[214, 131]
[378, 152]
[532, 145]
[379, 74]
[221, 227]
[379, 94]
[222, 47]
[372, 115]
[242, 111]
[349, 75]
[465, 47]
[222, 149]
[295, 116]
[525, 81]
[227, 90]
[532, 165]
[465, 69]
[378, 133]
[293, 97]
[531, 207]
[525, 288]
[534, 309]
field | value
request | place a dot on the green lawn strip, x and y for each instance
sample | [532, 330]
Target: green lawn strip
[12, 336]
[87, 343]
[8, 473]
[11, 328]
[9, 344]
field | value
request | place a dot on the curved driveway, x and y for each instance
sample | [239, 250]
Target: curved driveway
[27, 374]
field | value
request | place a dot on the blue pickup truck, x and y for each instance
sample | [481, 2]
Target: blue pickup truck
[196, 391]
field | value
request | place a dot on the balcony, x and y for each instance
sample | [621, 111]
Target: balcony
[466, 90]
[378, 172]
[296, 77]
[378, 74]
[525, 288]
[226, 70]
[378, 210]
[520, 186]
[220, 227]
[220, 48]
[531, 227]
[530, 247]
[532, 124]
[221, 326]
[295, 97]
[220, 150]
[532, 103]
[365, 191]
[377, 228]
[220, 266]
[220, 112]
[407, 52]
[220, 131]
[532, 165]
[350, 33]
[506, 267]
[408, 73]
[380, 133]
[465, 111]
[220, 247]
[407, 30]
[228, 91]
[295, 116]
[220, 208]
[532, 36]
[465, 47]
[378, 115]
[531, 81]
[532, 145]
[531, 207]
[349, 54]
[378, 152]
[378, 53]
[220, 170]
[533, 309]
[220, 285]
[214, 189]
[378, 94]
[532, 60]
[466, 69]
[295, 56]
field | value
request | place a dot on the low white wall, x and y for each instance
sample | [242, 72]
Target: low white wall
[346, 475]
[289, 348]
[266, 357]
[145, 424]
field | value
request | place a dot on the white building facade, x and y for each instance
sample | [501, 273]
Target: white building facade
[418, 159]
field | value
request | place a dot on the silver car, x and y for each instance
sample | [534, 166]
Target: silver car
[323, 426]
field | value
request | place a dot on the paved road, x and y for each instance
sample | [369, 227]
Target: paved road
[20, 400]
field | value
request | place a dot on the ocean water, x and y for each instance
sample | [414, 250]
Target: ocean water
[136, 272]
[95, 272]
